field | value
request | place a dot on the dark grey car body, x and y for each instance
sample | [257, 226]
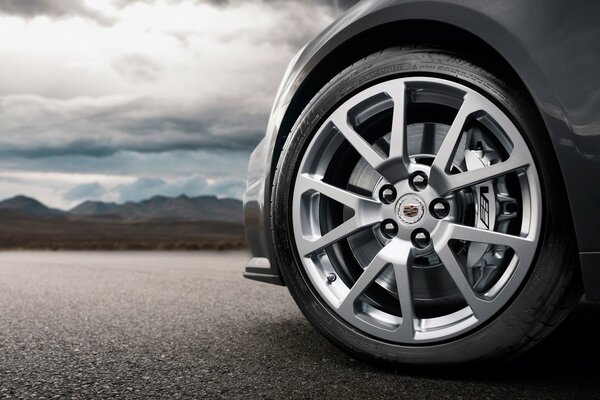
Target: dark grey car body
[552, 47]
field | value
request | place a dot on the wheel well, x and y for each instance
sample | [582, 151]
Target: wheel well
[425, 33]
[413, 32]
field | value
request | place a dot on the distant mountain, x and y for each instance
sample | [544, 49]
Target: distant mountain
[27, 205]
[88, 208]
[159, 223]
[203, 208]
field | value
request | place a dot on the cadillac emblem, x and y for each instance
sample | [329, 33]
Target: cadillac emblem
[410, 209]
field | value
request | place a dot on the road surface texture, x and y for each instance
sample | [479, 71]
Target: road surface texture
[181, 325]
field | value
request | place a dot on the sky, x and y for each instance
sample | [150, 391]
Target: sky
[121, 100]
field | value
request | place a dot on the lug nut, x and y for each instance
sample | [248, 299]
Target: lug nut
[418, 181]
[387, 194]
[439, 208]
[420, 238]
[389, 228]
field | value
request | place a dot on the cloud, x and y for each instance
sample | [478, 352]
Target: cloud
[193, 172]
[135, 87]
[137, 68]
[55, 190]
[35, 126]
[29, 9]
[51, 187]
[142, 189]
[341, 4]
[166, 165]
[145, 188]
[84, 192]
[51, 8]
[121, 100]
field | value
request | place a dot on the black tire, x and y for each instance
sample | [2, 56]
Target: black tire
[553, 286]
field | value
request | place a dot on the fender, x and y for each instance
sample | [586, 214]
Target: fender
[556, 64]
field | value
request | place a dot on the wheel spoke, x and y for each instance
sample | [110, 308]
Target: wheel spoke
[307, 247]
[398, 143]
[462, 232]
[371, 272]
[366, 151]
[398, 254]
[306, 183]
[481, 308]
[439, 177]
[476, 176]
[445, 154]
[405, 294]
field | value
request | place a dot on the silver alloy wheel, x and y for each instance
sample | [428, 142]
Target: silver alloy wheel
[451, 206]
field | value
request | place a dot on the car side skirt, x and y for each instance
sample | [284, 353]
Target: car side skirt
[590, 269]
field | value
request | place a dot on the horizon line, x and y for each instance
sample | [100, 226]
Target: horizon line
[119, 203]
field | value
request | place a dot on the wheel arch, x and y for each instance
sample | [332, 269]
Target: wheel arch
[332, 59]
[414, 32]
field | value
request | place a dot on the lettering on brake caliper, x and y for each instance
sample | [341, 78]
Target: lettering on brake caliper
[484, 207]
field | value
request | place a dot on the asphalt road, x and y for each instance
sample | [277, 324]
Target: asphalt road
[169, 325]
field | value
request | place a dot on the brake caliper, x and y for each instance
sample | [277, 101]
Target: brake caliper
[481, 263]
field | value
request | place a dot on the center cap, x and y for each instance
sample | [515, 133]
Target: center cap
[410, 209]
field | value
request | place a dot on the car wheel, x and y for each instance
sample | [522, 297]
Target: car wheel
[419, 216]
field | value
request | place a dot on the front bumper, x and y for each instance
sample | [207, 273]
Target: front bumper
[258, 231]
[259, 269]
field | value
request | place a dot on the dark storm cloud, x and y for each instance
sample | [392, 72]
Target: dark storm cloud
[212, 163]
[70, 8]
[142, 105]
[205, 97]
[127, 3]
[34, 126]
[339, 4]
[51, 8]
[228, 110]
